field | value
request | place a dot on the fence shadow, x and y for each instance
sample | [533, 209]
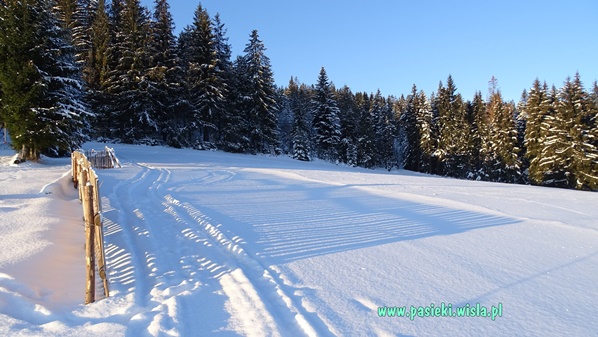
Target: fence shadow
[298, 221]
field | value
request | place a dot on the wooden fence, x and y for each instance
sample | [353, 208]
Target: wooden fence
[102, 159]
[87, 182]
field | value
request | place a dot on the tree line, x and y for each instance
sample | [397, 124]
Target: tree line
[71, 70]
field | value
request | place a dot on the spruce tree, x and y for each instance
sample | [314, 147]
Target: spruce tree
[366, 132]
[237, 135]
[96, 68]
[410, 132]
[40, 81]
[207, 92]
[594, 113]
[386, 132]
[425, 126]
[536, 111]
[480, 138]
[326, 121]
[349, 127]
[259, 95]
[77, 16]
[295, 96]
[165, 75]
[521, 125]
[453, 131]
[552, 165]
[573, 137]
[504, 159]
[226, 122]
[132, 116]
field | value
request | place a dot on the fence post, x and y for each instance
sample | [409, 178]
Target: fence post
[82, 181]
[101, 255]
[75, 170]
[89, 243]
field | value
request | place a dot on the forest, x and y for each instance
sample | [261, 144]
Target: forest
[75, 70]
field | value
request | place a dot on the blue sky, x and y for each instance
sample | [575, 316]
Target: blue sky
[390, 45]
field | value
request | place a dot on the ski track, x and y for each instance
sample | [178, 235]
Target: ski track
[203, 257]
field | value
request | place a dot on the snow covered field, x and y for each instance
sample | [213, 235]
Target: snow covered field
[208, 243]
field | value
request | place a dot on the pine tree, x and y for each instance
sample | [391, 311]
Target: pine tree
[81, 31]
[592, 138]
[132, 114]
[326, 122]
[553, 165]
[167, 83]
[536, 111]
[259, 95]
[504, 159]
[480, 139]
[96, 67]
[40, 80]
[573, 137]
[285, 121]
[228, 119]
[237, 137]
[594, 113]
[295, 96]
[453, 131]
[410, 132]
[77, 16]
[65, 10]
[366, 132]
[385, 131]
[349, 127]
[425, 126]
[521, 125]
[205, 80]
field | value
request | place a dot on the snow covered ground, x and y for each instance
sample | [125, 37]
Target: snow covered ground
[208, 243]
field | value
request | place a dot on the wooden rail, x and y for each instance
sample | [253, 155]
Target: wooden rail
[87, 182]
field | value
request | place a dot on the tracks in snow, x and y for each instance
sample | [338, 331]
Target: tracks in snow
[176, 251]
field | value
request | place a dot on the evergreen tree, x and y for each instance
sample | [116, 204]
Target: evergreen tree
[594, 113]
[521, 126]
[349, 127]
[410, 131]
[285, 121]
[425, 126]
[326, 122]
[536, 111]
[366, 132]
[453, 131]
[167, 83]
[295, 95]
[205, 80]
[39, 80]
[571, 138]
[96, 68]
[77, 16]
[480, 138]
[504, 159]
[65, 10]
[81, 31]
[385, 131]
[259, 93]
[132, 115]
[225, 71]
[553, 167]
[237, 137]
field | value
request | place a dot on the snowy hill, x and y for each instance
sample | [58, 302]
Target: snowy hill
[206, 243]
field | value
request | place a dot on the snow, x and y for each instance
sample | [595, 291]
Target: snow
[203, 243]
